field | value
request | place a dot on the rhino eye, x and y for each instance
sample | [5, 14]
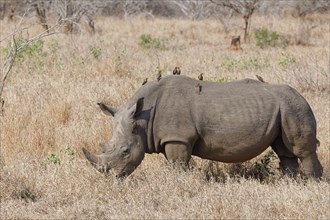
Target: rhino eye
[125, 151]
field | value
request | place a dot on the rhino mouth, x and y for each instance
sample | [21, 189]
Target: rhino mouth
[100, 162]
[122, 175]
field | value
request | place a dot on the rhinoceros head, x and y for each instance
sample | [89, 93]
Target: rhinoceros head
[125, 151]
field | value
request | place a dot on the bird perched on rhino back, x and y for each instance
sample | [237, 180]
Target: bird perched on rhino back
[176, 71]
[159, 76]
[145, 81]
[198, 88]
[260, 78]
[200, 76]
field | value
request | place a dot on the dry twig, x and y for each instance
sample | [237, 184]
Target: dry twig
[14, 49]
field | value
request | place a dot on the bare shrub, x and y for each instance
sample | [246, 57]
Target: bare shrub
[71, 12]
[195, 9]
[245, 8]
[303, 8]
[132, 8]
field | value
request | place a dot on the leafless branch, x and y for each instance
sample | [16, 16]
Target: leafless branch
[132, 8]
[245, 8]
[40, 35]
[70, 12]
[14, 49]
[8, 63]
[194, 9]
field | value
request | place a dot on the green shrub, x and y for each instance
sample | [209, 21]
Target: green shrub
[53, 46]
[70, 152]
[229, 64]
[33, 49]
[261, 169]
[147, 42]
[286, 60]
[265, 38]
[239, 64]
[54, 159]
[96, 52]
[27, 194]
[250, 63]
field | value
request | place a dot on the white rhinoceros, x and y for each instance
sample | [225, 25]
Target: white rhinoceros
[226, 122]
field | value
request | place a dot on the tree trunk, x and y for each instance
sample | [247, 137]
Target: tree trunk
[246, 20]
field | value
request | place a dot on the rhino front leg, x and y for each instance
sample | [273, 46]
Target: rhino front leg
[178, 152]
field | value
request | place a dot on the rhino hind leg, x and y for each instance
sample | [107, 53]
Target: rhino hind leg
[288, 161]
[302, 147]
[289, 166]
[312, 166]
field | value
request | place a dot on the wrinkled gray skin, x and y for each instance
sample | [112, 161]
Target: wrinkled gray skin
[227, 122]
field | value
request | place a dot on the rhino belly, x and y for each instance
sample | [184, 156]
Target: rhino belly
[236, 141]
[229, 153]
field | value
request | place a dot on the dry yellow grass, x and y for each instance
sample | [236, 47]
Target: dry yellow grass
[51, 112]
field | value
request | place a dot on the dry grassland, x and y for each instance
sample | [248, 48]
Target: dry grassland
[50, 112]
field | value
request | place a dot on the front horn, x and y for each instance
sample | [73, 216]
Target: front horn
[97, 160]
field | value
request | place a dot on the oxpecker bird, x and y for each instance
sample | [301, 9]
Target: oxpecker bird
[177, 71]
[200, 76]
[159, 76]
[145, 81]
[198, 88]
[260, 78]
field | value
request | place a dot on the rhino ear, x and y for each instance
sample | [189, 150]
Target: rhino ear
[136, 109]
[107, 109]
